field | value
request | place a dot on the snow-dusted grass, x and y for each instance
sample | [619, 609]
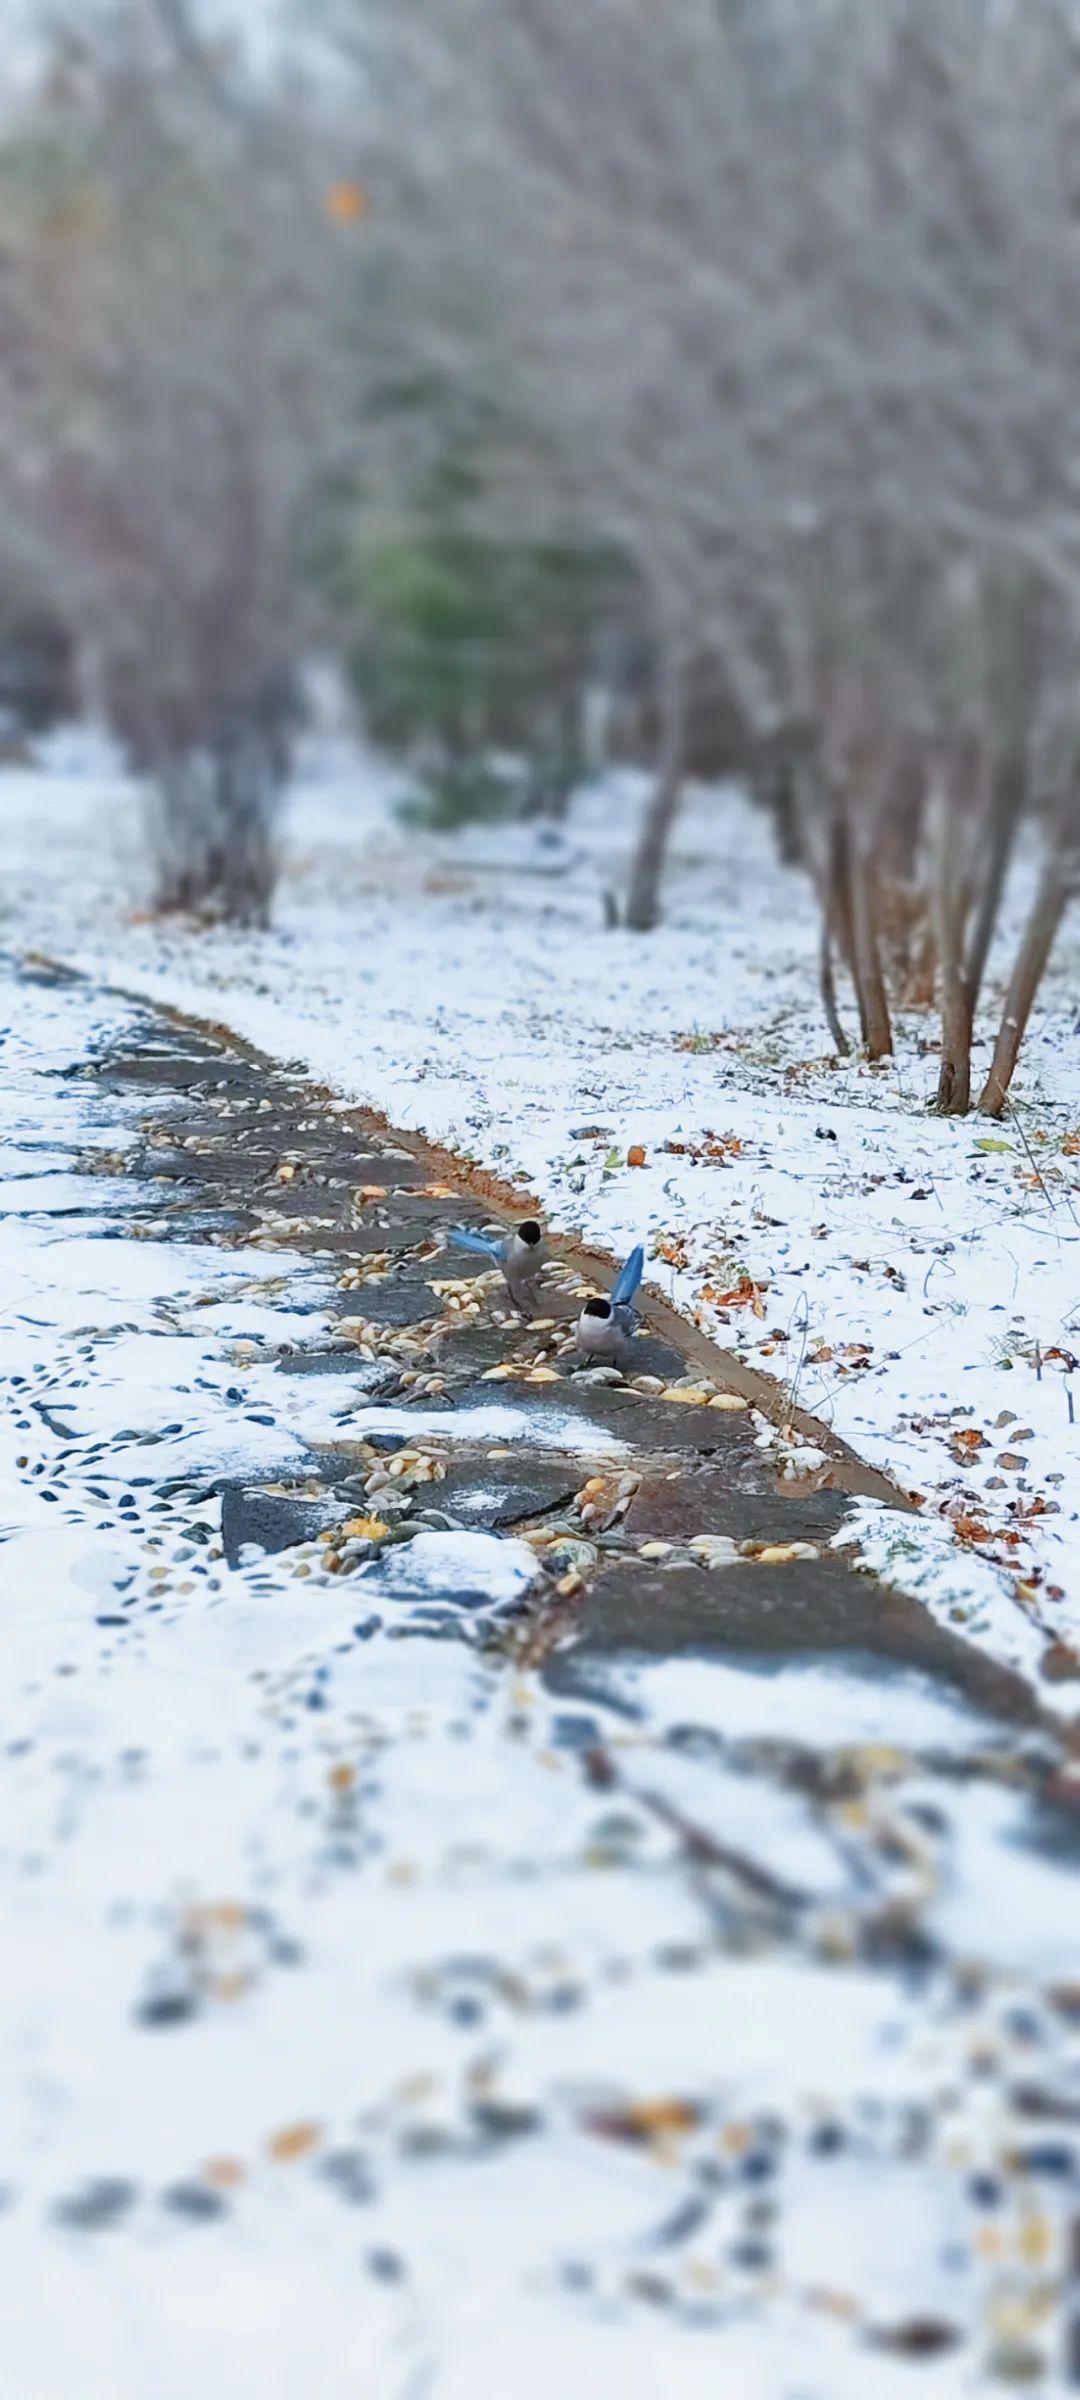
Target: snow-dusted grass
[917, 1281]
[327, 1927]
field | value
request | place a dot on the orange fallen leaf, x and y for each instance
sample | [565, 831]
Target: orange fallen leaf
[294, 2141]
[223, 2173]
[346, 202]
[740, 1295]
[644, 2120]
[971, 1529]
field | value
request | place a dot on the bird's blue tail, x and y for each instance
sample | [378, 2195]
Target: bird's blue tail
[629, 1277]
[480, 1244]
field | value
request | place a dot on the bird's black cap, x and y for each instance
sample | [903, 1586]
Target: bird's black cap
[597, 1308]
[530, 1232]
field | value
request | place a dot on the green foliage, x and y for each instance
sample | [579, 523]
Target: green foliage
[465, 793]
[468, 645]
[462, 642]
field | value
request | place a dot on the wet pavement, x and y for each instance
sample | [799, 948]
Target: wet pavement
[477, 1844]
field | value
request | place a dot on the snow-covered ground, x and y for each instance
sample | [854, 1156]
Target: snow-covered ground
[353, 2041]
[916, 1283]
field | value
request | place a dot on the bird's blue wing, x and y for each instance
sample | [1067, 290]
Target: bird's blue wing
[629, 1277]
[480, 1244]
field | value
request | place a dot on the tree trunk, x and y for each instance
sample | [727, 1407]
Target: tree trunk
[870, 982]
[957, 1028]
[643, 897]
[243, 866]
[841, 1044]
[839, 930]
[952, 900]
[922, 979]
[1048, 908]
[977, 899]
[1005, 803]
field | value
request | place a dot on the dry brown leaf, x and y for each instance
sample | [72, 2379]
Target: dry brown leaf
[223, 2173]
[294, 2141]
[644, 2120]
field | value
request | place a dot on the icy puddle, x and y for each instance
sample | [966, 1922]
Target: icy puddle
[491, 1901]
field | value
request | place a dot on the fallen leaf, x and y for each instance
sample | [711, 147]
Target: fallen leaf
[223, 2173]
[346, 202]
[970, 1529]
[644, 2120]
[294, 2141]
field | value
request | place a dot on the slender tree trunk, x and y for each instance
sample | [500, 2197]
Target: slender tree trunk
[957, 1028]
[870, 981]
[839, 928]
[643, 897]
[922, 978]
[952, 900]
[1004, 807]
[1048, 908]
[840, 1042]
[855, 761]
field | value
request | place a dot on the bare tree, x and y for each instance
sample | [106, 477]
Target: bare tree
[187, 381]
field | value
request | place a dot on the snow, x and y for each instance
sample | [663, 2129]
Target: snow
[364, 1868]
[921, 1279]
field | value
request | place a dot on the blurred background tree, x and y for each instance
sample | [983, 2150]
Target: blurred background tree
[716, 361]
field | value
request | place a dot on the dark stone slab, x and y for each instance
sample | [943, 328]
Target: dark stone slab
[494, 1493]
[393, 1302]
[454, 1266]
[418, 1210]
[645, 1424]
[468, 1348]
[270, 1522]
[707, 1497]
[806, 1609]
[372, 1377]
[651, 1356]
[177, 1072]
